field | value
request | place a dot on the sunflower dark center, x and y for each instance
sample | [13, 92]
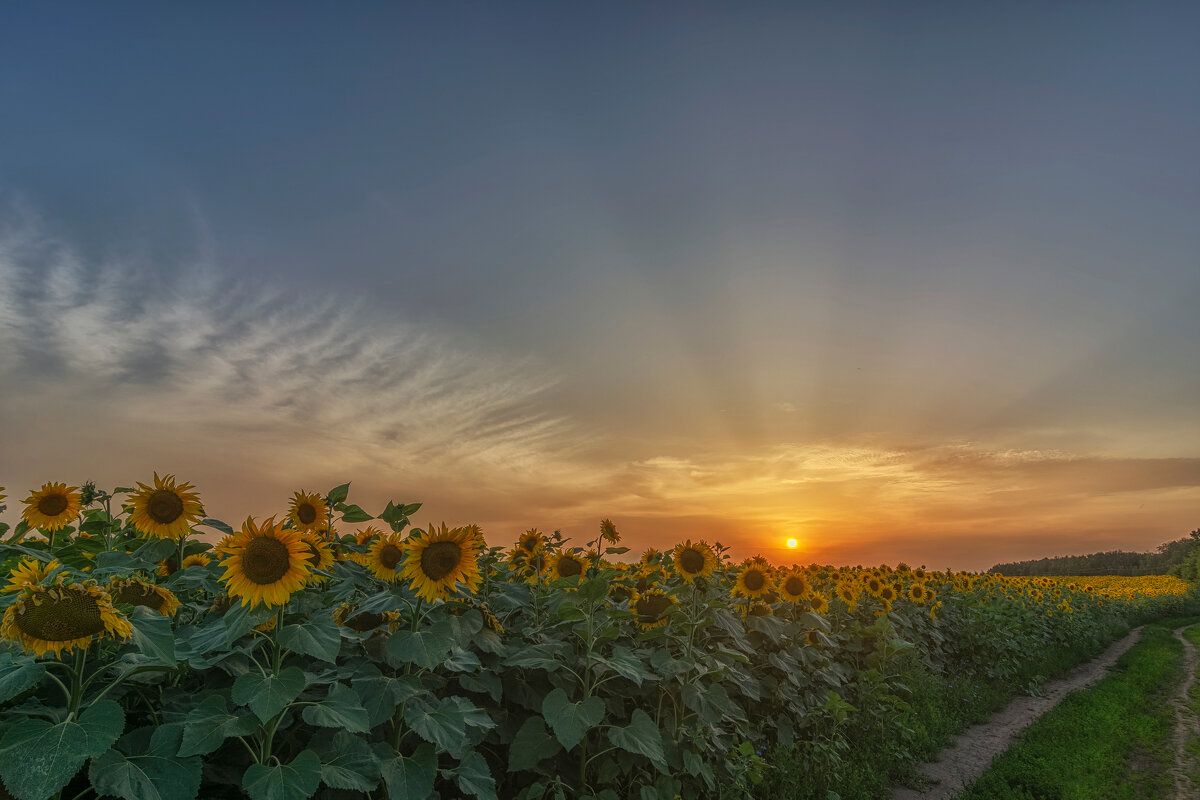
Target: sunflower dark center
[265, 560]
[390, 556]
[306, 513]
[364, 621]
[53, 504]
[568, 566]
[138, 594]
[652, 605]
[164, 507]
[76, 615]
[691, 561]
[754, 580]
[794, 585]
[529, 545]
[439, 559]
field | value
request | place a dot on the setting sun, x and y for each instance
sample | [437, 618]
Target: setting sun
[792, 543]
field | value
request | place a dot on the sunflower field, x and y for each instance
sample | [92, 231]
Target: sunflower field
[148, 652]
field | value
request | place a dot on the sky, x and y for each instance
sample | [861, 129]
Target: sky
[904, 283]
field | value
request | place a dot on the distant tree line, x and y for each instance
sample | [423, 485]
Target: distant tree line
[1180, 557]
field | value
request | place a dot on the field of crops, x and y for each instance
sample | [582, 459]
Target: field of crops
[148, 652]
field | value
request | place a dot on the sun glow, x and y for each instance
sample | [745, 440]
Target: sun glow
[792, 543]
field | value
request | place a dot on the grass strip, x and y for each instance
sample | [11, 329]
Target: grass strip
[1112, 741]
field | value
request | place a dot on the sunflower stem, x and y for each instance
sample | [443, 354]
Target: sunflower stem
[77, 681]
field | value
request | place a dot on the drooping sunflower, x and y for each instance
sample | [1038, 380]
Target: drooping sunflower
[165, 510]
[52, 507]
[362, 621]
[793, 586]
[439, 559]
[135, 592]
[753, 581]
[694, 560]
[58, 618]
[30, 572]
[566, 565]
[530, 542]
[651, 607]
[384, 558]
[759, 609]
[608, 531]
[320, 556]
[195, 560]
[308, 512]
[267, 564]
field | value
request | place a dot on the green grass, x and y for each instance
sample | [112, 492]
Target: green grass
[1112, 741]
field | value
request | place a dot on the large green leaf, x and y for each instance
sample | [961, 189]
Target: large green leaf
[209, 724]
[318, 637]
[17, 673]
[338, 494]
[407, 776]
[625, 663]
[531, 744]
[640, 736]
[297, 780]
[153, 636]
[444, 724]
[382, 693]
[352, 513]
[424, 648]
[348, 763]
[570, 721]
[143, 766]
[38, 759]
[268, 695]
[474, 777]
[341, 709]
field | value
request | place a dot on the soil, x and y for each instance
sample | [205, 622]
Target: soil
[973, 750]
[1187, 725]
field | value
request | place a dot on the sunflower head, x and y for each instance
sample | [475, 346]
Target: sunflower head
[793, 586]
[195, 560]
[530, 542]
[134, 592]
[308, 511]
[753, 581]
[320, 555]
[30, 572]
[651, 608]
[60, 617]
[441, 558]
[164, 510]
[385, 556]
[758, 609]
[847, 592]
[918, 593]
[52, 507]
[819, 603]
[608, 531]
[650, 556]
[694, 560]
[567, 565]
[267, 564]
[367, 534]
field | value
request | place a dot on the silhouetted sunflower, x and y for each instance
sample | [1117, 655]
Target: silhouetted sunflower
[267, 564]
[308, 512]
[651, 607]
[165, 510]
[440, 558]
[694, 560]
[52, 507]
[135, 592]
[58, 618]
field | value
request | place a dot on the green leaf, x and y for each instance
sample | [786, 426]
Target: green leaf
[348, 763]
[338, 494]
[18, 673]
[395, 517]
[445, 724]
[267, 696]
[157, 550]
[153, 635]
[425, 648]
[570, 721]
[352, 513]
[218, 525]
[615, 551]
[38, 759]
[531, 744]
[410, 509]
[295, 781]
[209, 724]
[594, 589]
[143, 766]
[625, 663]
[341, 709]
[540, 656]
[475, 778]
[318, 637]
[407, 776]
[641, 736]
[382, 693]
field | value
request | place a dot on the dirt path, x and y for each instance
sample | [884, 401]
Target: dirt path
[1187, 725]
[974, 749]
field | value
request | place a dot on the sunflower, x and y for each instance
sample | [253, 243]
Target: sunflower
[649, 556]
[535, 566]
[165, 510]
[819, 603]
[52, 507]
[320, 556]
[793, 585]
[308, 511]
[813, 638]
[384, 557]
[350, 617]
[874, 586]
[439, 559]
[168, 566]
[694, 560]
[267, 564]
[195, 560]
[918, 593]
[847, 592]
[530, 542]
[759, 609]
[223, 547]
[753, 581]
[134, 592]
[608, 531]
[367, 534]
[63, 616]
[566, 565]
[30, 572]
[651, 607]
[887, 594]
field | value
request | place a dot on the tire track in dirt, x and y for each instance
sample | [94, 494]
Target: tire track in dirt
[973, 750]
[1187, 725]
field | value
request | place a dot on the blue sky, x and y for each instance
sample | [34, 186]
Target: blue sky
[904, 283]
